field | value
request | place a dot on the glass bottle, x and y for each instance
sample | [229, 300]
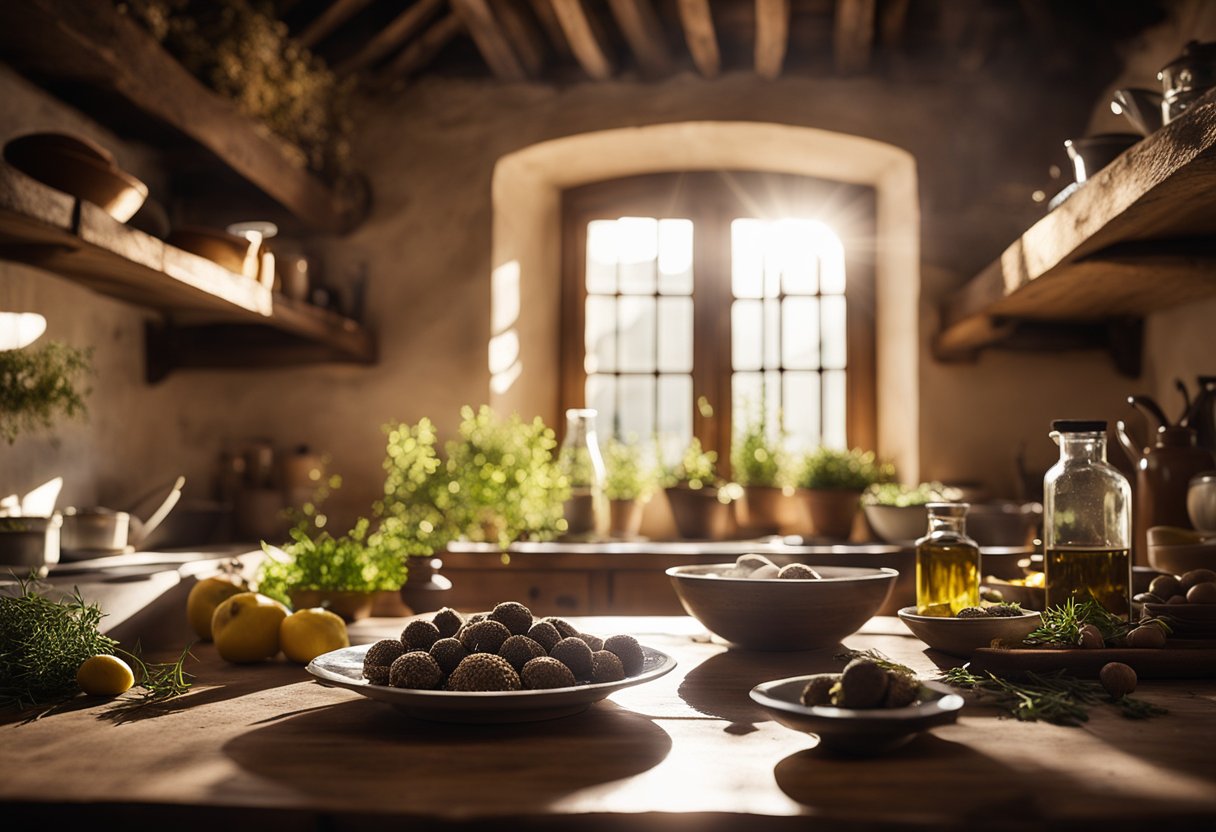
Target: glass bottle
[947, 563]
[586, 510]
[1087, 521]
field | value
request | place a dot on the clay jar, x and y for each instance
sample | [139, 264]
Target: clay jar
[1162, 477]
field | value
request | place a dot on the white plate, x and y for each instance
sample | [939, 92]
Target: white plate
[344, 669]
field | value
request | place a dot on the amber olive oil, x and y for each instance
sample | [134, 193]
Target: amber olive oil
[1079, 572]
[947, 577]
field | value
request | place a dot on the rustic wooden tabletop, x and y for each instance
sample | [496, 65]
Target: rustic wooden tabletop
[265, 747]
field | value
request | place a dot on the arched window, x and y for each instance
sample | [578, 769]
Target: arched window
[693, 302]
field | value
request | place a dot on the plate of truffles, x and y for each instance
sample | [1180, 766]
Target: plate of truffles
[870, 708]
[500, 666]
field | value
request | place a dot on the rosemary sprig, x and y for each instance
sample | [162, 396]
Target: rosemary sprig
[878, 658]
[1061, 625]
[1058, 697]
[160, 680]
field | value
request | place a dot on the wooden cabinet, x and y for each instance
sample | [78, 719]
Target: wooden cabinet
[1137, 237]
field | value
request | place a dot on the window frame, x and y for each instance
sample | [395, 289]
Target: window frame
[711, 199]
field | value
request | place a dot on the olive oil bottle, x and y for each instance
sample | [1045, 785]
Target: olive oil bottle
[947, 563]
[1087, 521]
[1079, 573]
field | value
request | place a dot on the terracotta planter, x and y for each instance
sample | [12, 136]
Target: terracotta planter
[765, 509]
[350, 605]
[698, 513]
[625, 518]
[832, 511]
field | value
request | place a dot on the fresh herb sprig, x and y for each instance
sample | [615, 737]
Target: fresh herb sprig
[1061, 625]
[1058, 697]
[878, 658]
[160, 681]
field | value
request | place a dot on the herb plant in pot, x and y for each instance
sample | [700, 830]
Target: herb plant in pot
[629, 482]
[756, 465]
[700, 507]
[833, 481]
[896, 513]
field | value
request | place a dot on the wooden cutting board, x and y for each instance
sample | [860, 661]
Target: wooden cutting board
[1189, 659]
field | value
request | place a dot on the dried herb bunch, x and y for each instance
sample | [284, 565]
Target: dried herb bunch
[240, 50]
[38, 385]
[1058, 698]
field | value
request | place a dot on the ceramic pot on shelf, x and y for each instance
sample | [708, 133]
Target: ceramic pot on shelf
[625, 518]
[832, 511]
[699, 514]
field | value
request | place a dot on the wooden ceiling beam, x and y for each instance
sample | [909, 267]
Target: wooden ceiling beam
[522, 35]
[389, 39]
[772, 36]
[644, 34]
[588, 49]
[553, 28]
[699, 33]
[853, 37]
[488, 35]
[423, 49]
[335, 14]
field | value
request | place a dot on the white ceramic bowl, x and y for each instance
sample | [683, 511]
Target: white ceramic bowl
[897, 524]
[779, 613]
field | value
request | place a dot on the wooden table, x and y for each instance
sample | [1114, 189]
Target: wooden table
[263, 747]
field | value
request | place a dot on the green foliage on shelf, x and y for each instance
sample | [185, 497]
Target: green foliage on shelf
[753, 459]
[416, 512]
[697, 468]
[631, 472]
[40, 385]
[317, 560]
[851, 470]
[898, 494]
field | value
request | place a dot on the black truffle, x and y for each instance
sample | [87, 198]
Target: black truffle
[606, 667]
[420, 634]
[484, 636]
[484, 672]
[628, 651]
[514, 616]
[448, 622]
[379, 657]
[971, 612]
[475, 617]
[902, 690]
[448, 652]
[862, 685]
[415, 670]
[798, 571]
[543, 673]
[1004, 611]
[574, 654]
[818, 691]
[519, 650]
[563, 626]
[544, 634]
[594, 642]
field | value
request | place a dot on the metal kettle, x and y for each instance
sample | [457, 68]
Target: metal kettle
[1186, 78]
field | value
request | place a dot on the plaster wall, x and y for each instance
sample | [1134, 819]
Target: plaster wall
[431, 152]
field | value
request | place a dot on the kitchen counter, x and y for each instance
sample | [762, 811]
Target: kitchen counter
[265, 747]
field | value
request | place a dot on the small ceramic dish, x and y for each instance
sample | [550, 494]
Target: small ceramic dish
[961, 636]
[854, 732]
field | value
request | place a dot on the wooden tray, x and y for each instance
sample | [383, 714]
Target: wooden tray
[1190, 659]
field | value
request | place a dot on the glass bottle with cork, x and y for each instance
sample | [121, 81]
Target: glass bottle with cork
[947, 563]
[1087, 521]
[586, 510]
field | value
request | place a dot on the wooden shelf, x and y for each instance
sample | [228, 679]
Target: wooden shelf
[1138, 237]
[213, 317]
[112, 66]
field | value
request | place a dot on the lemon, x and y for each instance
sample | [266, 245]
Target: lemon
[104, 676]
[306, 634]
[246, 627]
[204, 597]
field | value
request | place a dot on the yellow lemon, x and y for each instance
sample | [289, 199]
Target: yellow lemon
[246, 627]
[104, 676]
[306, 634]
[205, 596]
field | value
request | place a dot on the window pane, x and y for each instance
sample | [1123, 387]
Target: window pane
[635, 329]
[745, 335]
[774, 261]
[801, 411]
[675, 416]
[638, 252]
[601, 256]
[635, 416]
[772, 333]
[800, 333]
[675, 335]
[831, 262]
[600, 335]
[835, 353]
[772, 403]
[834, 409]
[675, 257]
[746, 393]
[800, 270]
[599, 395]
[747, 258]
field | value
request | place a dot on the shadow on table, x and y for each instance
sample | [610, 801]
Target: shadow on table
[393, 762]
[719, 686]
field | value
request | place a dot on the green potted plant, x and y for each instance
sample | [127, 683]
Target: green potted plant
[340, 573]
[756, 465]
[833, 481]
[896, 512]
[628, 484]
[39, 386]
[699, 504]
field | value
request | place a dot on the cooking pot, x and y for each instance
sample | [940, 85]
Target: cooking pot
[92, 532]
[29, 544]
[1186, 78]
